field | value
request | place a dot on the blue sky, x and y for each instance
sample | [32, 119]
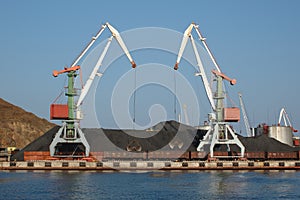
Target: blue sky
[257, 42]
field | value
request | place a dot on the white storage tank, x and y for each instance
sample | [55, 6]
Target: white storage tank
[283, 134]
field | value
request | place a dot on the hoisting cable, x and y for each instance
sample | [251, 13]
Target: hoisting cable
[81, 80]
[175, 96]
[63, 91]
[233, 104]
[134, 100]
[198, 92]
[58, 97]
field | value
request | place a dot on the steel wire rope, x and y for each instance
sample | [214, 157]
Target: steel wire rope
[226, 92]
[59, 99]
[198, 90]
[134, 101]
[175, 96]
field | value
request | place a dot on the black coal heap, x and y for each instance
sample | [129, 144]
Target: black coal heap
[158, 137]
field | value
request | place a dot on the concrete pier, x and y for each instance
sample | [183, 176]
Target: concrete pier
[118, 165]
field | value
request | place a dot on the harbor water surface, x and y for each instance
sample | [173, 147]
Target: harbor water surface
[150, 185]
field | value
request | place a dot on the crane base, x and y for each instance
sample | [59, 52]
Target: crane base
[218, 135]
[65, 144]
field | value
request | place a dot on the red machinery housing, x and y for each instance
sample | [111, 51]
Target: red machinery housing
[59, 111]
[232, 114]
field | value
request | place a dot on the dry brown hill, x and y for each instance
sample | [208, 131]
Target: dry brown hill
[18, 127]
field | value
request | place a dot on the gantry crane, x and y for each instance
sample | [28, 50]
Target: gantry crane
[219, 128]
[70, 141]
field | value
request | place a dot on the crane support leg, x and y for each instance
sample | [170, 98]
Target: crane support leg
[220, 133]
[65, 144]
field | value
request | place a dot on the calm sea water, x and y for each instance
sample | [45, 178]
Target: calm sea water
[150, 185]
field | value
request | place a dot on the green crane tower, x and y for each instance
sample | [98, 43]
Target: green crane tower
[69, 141]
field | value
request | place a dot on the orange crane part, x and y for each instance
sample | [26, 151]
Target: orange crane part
[56, 73]
[232, 81]
[133, 65]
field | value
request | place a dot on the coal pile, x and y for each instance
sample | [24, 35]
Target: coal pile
[165, 136]
[263, 143]
[168, 135]
[40, 144]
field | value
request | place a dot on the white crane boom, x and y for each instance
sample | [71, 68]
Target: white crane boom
[114, 33]
[185, 38]
[283, 115]
[187, 34]
[202, 39]
[245, 117]
[89, 82]
[89, 45]
[203, 75]
[117, 36]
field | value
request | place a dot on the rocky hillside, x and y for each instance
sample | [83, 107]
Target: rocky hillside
[18, 127]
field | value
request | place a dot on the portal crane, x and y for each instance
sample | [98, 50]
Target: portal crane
[70, 140]
[283, 115]
[219, 128]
